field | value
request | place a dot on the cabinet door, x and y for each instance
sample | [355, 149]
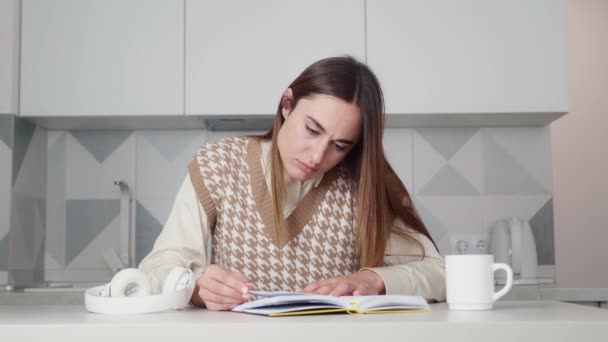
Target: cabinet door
[102, 57]
[469, 56]
[9, 56]
[241, 54]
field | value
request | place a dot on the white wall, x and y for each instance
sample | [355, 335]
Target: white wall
[580, 159]
[9, 55]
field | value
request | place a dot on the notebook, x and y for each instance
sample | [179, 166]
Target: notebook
[292, 303]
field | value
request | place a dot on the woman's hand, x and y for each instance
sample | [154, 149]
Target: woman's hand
[362, 283]
[220, 289]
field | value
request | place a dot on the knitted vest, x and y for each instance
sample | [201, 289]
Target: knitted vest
[228, 178]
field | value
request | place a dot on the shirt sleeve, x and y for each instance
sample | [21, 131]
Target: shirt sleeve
[408, 272]
[183, 241]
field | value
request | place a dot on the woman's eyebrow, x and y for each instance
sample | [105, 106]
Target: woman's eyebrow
[322, 129]
[319, 126]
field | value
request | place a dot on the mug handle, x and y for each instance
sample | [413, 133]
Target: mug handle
[509, 283]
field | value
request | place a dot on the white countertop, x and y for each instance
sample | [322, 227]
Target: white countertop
[71, 296]
[574, 294]
[509, 321]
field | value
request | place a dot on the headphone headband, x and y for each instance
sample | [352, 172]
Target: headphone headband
[175, 296]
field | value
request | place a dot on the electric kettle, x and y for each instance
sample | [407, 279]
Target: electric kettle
[512, 243]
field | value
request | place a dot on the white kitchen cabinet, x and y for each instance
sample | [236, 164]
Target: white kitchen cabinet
[9, 55]
[470, 56]
[241, 54]
[102, 57]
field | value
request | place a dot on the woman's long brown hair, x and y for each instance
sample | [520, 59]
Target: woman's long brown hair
[381, 195]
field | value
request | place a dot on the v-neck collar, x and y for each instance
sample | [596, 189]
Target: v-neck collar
[300, 216]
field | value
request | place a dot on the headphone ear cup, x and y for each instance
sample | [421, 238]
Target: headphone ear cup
[177, 279]
[130, 282]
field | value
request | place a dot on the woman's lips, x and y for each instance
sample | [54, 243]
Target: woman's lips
[305, 167]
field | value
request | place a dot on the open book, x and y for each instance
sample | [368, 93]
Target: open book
[292, 303]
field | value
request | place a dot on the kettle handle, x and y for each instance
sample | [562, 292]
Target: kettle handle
[515, 227]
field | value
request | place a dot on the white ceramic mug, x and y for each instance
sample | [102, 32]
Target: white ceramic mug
[470, 281]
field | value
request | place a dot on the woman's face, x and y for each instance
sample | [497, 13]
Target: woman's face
[317, 134]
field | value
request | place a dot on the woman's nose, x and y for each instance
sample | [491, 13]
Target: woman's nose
[318, 152]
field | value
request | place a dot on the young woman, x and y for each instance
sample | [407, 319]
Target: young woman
[310, 206]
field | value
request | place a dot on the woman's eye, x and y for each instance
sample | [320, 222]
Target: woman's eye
[311, 131]
[341, 147]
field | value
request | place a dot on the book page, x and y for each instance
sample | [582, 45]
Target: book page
[387, 302]
[304, 300]
[290, 308]
[280, 302]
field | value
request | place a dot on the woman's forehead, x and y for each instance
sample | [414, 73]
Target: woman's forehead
[336, 116]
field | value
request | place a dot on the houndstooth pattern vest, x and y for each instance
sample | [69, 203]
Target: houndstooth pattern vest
[228, 178]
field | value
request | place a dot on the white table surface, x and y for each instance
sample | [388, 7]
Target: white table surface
[509, 321]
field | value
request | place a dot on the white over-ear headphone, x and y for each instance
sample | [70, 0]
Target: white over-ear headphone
[129, 292]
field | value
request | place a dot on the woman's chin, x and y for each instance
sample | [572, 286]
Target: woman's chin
[298, 175]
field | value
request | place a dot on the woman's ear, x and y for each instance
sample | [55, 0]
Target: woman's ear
[287, 102]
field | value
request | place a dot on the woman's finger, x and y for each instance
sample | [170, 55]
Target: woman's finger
[325, 289]
[311, 287]
[242, 278]
[234, 280]
[362, 289]
[343, 288]
[210, 297]
[316, 285]
[219, 306]
[211, 289]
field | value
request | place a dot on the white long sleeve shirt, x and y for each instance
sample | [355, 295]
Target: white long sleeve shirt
[185, 240]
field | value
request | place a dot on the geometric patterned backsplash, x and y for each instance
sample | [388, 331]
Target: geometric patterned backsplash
[6, 167]
[23, 179]
[465, 179]
[462, 180]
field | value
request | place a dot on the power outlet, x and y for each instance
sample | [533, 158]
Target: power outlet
[469, 244]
